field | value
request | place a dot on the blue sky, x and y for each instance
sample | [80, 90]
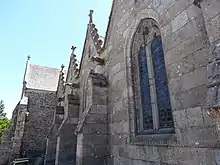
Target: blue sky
[45, 30]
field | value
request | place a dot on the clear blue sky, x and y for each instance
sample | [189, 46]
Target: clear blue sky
[45, 29]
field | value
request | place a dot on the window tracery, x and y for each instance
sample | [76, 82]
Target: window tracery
[150, 85]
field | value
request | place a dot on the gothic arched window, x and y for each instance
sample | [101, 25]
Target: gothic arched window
[150, 86]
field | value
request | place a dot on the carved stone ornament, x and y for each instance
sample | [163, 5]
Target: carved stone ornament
[99, 60]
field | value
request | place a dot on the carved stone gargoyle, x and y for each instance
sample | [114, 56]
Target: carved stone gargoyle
[72, 85]
[99, 60]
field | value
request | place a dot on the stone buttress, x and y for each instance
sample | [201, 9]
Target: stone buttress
[92, 129]
[50, 154]
[66, 139]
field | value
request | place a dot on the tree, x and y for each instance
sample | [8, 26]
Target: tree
[4, 122]
[2, 108]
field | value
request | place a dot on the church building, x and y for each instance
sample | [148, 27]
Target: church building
[147, 93]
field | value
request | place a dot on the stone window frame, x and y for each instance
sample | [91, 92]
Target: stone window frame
[134, 138]
[147, 33]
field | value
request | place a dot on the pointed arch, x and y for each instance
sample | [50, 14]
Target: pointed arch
[149, 80]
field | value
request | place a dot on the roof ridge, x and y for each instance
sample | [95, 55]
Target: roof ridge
[43, 66]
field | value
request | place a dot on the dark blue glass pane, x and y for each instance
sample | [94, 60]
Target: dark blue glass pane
[163, 98]
[145, 90]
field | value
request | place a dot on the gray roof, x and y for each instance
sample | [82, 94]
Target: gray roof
[42, 78]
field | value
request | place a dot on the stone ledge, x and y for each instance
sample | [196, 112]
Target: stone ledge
[160, 139]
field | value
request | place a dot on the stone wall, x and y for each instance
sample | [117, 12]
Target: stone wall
[41, 108]
[210, 9]
[185, 42]
[19, 129]
[92, 129]
[67, 140]
[50, 155]
[7, 139]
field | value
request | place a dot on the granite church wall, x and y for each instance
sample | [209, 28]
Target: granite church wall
[211, 12]
[185, 44]
[41, 108]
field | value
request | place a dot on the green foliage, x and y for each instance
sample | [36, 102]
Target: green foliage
[2, 108]
[4, 122]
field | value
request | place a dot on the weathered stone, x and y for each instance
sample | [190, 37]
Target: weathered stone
[179, 21]
[194, 116]
[96, 119]
[180, 118]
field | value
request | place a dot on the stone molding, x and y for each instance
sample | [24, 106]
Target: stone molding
[143, 14]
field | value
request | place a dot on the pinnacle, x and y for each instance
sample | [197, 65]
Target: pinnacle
[94, 33]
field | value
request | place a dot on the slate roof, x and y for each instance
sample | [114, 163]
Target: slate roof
[42, 78]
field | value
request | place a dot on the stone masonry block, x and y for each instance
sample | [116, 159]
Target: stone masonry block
[201, 57]
[123, 160]
[175, 85]
[98, 109]
[122, 127]
[213, 28]
[180, 119]
[119, 139]
[120, 115]
[210, 8]
[149, 153]
[133, 152]
[179, 21]
[193, 11]
[99, 91]
[173, 155]
[204, 136]
[166, 30]
[95, 139]
[165, 5]
[115, 150]
[181, 133]
[185, 48]
[117, 77]
[95, 150]
[142, 162]
[201, 156]
[191, 98]
[99, 100]
[184, 65]
[95, 128]
[73, 99]
[96, 118]
[87, 160]
[123, 151]
[195, 78]
[73, 110]
[194, 116]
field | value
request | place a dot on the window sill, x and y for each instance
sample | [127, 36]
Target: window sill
[164, 139]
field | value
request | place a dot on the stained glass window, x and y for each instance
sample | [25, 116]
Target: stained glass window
[145, 90]
[162, 91]
[150, 85]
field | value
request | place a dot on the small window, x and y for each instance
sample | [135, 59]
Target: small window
[150, 85]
